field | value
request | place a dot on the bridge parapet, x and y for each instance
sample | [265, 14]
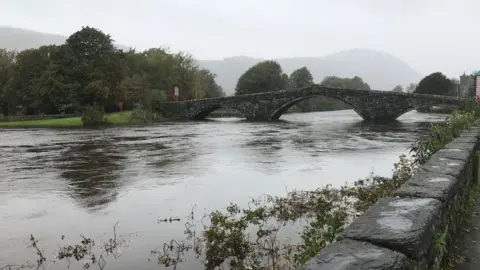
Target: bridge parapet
[404, 231]
[371, 105]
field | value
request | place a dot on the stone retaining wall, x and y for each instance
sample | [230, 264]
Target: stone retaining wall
[35, 117]
[408, 229]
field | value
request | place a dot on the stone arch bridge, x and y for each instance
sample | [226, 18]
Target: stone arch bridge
[371, 105]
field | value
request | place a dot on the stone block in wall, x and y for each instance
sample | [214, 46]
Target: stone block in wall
[470, 138]
[473, 132]
[450, 191]
[356, 255]
[402, 224]
[458, 145]
[425, 184]
[454, 152]
[445, 164]
[466, 140]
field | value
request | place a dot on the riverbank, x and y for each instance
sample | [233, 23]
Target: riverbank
[118, 118]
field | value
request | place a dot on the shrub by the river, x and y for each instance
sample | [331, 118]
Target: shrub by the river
[248, 238]
[93, 117]
[142, 116]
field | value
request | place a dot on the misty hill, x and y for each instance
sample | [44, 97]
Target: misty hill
[380, 70]
[21, 39]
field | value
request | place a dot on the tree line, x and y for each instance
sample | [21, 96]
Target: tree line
[88, 71]
[268, 76]
[438, 83]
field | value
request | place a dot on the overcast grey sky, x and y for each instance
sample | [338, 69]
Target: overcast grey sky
[430, 35]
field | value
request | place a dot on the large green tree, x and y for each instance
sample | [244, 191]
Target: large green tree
[411, 88]
[7, 63]
[348, 83]
[300, 78]
[38, 85]
[398, 89]
[436, 84]
[338, 82]
[327, 104]
[160, 70]
[265, 76]
[357, 83]
[209, 86]
[95, 67]
[334, 81]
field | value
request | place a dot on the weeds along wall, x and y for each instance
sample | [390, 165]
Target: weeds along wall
[412, 228]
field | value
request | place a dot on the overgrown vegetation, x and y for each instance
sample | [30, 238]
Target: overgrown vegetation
[251, 237]
[142, 116]
[93, 117]
[80, 252]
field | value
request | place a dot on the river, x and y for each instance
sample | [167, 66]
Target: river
[69, 182]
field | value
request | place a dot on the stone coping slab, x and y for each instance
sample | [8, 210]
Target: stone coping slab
[453, 153]
[473, 132]
[459, 145]
[426, 184]
[354, 255]
[445, 165]
[401, 224]
[466, 138]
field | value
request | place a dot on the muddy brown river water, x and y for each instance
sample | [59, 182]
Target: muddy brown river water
[72, 181]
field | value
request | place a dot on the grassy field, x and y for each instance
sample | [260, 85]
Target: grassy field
[119, 118]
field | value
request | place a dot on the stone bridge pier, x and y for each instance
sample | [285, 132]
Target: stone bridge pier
[371, 105]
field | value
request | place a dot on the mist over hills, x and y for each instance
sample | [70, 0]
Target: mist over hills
[380, 70]
[19, 39]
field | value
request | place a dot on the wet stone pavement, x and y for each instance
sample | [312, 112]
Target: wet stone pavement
[469, 244]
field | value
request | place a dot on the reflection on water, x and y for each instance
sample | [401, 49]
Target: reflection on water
[91, 170]
[83, 181]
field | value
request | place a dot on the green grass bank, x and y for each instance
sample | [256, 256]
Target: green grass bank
[118, 118]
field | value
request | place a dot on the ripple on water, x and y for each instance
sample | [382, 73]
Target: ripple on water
[86, 180]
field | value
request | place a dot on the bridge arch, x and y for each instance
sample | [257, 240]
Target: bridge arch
[430, 104]
[279, 111]
[204, 112]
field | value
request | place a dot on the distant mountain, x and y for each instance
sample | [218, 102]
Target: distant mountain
[20, 39]
[380, 70]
